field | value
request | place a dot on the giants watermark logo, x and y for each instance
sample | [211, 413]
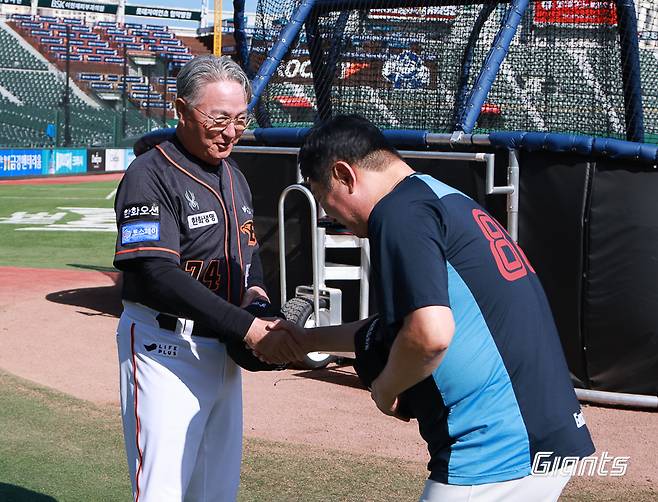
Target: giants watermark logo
[547, 464]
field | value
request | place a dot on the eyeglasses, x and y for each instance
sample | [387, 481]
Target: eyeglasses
[218, 124]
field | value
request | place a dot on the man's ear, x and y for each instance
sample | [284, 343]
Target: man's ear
[343, 173]
[179, 104]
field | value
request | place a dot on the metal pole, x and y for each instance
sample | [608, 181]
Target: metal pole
[513, 198]
[617, 398]
[314, 247]
[116, 133]
[217, 33]
[121, 12]
[426, 139]
[57, 128]
[203, 22]
[364, 282]
[279, 50]
[124, 92]
[630, 66]
[166, 77]
[280, 150]
[66, 101]
[491, 65]
[148, 98]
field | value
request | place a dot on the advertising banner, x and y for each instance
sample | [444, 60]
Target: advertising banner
[101, 8]
[17, 2]
[22, 162]
[95, 160]
[115, 159]
[68, 161]
[435, 13]
[403, 70]
[129, 157]
[575, 12]
[179, 14]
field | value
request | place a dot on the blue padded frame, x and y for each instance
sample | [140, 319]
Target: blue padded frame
[491, 65]
[630, 68]
[510, 140]
[583, 145]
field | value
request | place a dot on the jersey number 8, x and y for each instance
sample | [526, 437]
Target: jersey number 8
[510, 259]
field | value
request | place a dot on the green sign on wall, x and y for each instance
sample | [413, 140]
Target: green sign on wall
[178, 14]
[100, 8]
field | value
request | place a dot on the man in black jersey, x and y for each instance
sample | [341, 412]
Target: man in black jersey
[188, 250]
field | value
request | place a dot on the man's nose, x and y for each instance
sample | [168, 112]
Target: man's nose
[230, 131]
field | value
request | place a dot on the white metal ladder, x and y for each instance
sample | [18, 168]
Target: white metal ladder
[323, 270]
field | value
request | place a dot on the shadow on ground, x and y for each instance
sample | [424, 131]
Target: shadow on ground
[337, 375]
[106, 300]
[15, 493]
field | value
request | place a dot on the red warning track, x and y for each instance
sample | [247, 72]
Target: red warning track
[64, 180]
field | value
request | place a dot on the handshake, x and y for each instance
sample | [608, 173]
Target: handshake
[277, 341]
[271, 342]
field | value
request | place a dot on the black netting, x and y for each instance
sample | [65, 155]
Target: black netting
[406, 67]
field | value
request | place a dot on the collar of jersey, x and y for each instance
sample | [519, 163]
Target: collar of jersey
[182, 153]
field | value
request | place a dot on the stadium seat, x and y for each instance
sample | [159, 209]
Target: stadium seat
[38, 91]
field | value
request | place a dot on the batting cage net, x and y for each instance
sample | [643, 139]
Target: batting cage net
[572, 66]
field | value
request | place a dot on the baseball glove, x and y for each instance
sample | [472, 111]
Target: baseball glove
[371, 350]
[241, 354]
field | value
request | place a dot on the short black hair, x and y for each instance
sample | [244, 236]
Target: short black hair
[350, 138]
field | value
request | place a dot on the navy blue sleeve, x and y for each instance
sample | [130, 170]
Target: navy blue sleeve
[256, 276]
[409, 265]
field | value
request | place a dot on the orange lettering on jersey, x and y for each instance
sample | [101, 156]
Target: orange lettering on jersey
[248, 228]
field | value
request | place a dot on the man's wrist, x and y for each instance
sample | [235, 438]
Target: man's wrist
[257, 292]
[386, 383]
[308, 340]
[251, 338]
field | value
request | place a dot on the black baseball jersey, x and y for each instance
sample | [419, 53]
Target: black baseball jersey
[501, 399]
[171, 206]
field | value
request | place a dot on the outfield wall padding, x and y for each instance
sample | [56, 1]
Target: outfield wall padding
[552, 203]
[620, 294]
[589, 229]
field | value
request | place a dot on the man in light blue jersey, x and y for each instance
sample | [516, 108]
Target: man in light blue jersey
[473, 347]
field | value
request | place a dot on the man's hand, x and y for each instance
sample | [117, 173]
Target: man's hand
[253, 293]
[272, 342]
[301, 335]
[386, 401]
[418, 349]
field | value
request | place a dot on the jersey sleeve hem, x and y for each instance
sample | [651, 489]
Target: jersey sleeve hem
[146, 252]
[418, 304]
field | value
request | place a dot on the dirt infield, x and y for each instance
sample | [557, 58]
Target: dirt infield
[57, 328]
